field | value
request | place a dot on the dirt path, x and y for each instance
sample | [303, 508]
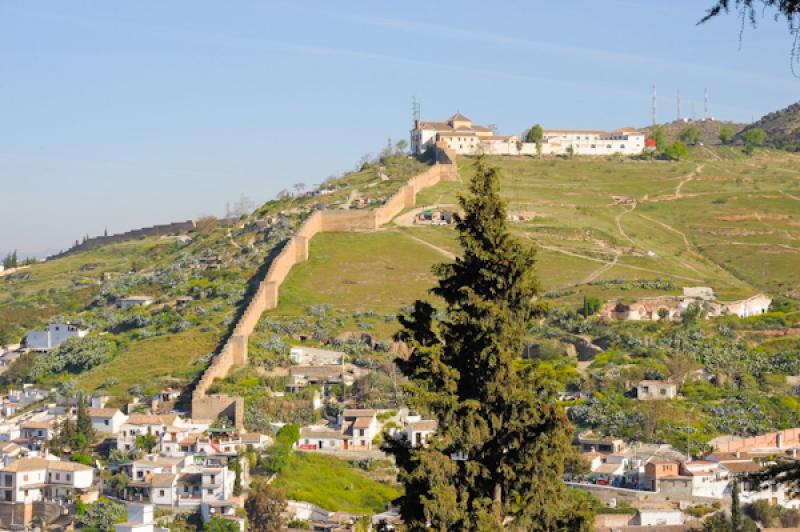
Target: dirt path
[712, 153]
[678, 194]
[606, 262]
[601, 270]
[450, 255]
[791, 196]
[618, 220]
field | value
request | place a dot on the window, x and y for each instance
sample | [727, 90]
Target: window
[105, 422]
[8, 480]
[58, 476]
[210, 491]
[160, 493]
[25, 493]
[69, 477]
[25, 478]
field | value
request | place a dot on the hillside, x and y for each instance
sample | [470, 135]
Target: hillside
[709, 129]
[782, 128]
[199, 283]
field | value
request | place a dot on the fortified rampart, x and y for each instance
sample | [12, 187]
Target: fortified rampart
[295, 250]
[772, 440]
[156, 230]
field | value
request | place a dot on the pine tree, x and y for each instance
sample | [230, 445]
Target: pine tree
[83, 423]
[736, 511]
[498, 456]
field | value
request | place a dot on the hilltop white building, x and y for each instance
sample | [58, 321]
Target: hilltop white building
[54, 336]
[465, 138]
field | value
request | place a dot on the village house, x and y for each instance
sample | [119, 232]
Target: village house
[129, 302]
[140, 519]
[33, 479]
[650, 390]
[322, 376]
[418, 432]
[34, 434]
[590, 442]
[312, 356]
[359, 428]
[320, 438]
[107, 420]
[141, 424]
[627, 141]
[18, 399]
[54, 336]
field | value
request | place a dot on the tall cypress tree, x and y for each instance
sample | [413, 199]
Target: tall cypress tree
[498, 455]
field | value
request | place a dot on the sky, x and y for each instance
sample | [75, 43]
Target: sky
[119, 115]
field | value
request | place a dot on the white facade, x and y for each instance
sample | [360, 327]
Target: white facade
[107, 420]
[310, 356]
[55, 334]
[656, 390]
[659, 517]
[26, 479]
[626, 141]
[418, 432]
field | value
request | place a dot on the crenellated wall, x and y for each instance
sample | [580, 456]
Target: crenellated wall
[234, 351]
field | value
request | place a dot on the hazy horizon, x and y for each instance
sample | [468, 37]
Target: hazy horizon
[119, 116]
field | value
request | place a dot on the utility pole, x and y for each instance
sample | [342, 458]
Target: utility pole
[654, 104]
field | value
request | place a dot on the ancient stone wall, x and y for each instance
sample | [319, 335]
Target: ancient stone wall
[783, 439]
[156, 230]
[234, 351]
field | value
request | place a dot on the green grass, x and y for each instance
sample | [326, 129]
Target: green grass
[150, 361]
[333, 484]
[359, 271]
[699, 238]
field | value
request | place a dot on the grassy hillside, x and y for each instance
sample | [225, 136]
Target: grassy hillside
[138, 351]
[782, 128]
[717, 218]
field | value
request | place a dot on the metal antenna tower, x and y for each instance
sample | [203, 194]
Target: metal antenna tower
[654, 104]
[679, 105]
[414, 108]
[705, 104]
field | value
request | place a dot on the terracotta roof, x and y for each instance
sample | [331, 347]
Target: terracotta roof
[317, 371]
[26, 464]
[147, 419]
[252, 437]
[162, 480]
[9, 447]
[458, 117]
[742, 467]
[362, 422]
[358, 412]
[36, 425]
[67, 466]
[323, 434]
[424, 425]
[103, 412]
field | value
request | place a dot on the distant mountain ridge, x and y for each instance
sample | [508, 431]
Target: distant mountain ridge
[782, 128]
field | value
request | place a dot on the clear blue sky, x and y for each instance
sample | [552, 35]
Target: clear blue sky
[124, 114]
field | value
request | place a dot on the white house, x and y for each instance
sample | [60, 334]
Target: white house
[141, 424]
[107, 420]
[359, 427]
[752, 306]
[135, 301]
[312, 438]
[55, 334]
[418, 432]
[656, 390]
[659, 517]
[311, 356]
[32, 479]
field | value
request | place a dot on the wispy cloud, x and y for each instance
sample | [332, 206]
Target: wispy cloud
[583, 53]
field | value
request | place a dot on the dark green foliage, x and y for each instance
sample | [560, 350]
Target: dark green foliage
[660, 137]
[220, 524]
[534, 134]
[676, 151]
[504, 421]
[264, 505]
[100, 515]
[237, 483]
[753, 138]
[74, 355]
[277, 456]
[689, 135]
[591, 305]
[146, 442]
[726, 135]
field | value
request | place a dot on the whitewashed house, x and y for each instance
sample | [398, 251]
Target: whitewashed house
[54, 336]
[651, 390]
[32, 479]
[418, 432]
[107, 420]
[141, 424]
